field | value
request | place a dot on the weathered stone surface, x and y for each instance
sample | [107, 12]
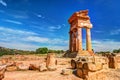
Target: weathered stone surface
[4, 61]
[33, 67]
[11, 63]
[66, 71]
[42, 68]
[73, 64]
[51, 62]
[118, 60]
[79, 64]
[99, 75]
[23, 67]
[82, 73]
[2, 71]
[112, 62]
[11, 68]
[79, 73]
[18, 63]
[51, 68]
[78, 21]
[85, 71]
[0, 62]
[93, 67]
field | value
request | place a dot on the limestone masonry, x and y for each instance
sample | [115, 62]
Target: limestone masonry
[78, 21]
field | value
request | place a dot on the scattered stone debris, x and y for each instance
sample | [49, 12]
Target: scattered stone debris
[23, 67]
[33, 67]
[52, 68]
[51, 62]
[2, 71]
[11, 68]
[42, 68]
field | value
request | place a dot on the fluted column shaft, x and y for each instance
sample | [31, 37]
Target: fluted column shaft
[88, 40]
[70, 42]
[74, 41]
[79, 39]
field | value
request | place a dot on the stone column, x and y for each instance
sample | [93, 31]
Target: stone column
[88, 40]
[79, 39]
[70, 41]
[72, 46]
[74, 41]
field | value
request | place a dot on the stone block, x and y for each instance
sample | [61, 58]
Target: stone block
[92, 67]
[66, 72]
[112, 62]
[4, 61]
[51, 60]
[79, 72]
[99, 75]
[11, 63]
[2, 71]
[33, 67]
[12, 68]
[82, 73]
[23, 67]
[78, 64]
[73, 64]
[52, 68]
[42, 68]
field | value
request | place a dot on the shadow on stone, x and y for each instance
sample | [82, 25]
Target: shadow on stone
[75, 72]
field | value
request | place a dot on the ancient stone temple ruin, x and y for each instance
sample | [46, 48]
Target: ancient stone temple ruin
[88, 65]
[78, 21]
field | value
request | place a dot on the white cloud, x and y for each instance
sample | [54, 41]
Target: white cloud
[63, 25]
[29, 36]
[46, 40]
[105, 45]
[14, 31]
[3, 3]
[20, 16]
[96, 42]
[98, 31]
[12, 21]
[11, 38]
[115, 32]
[37, 39]
[58, 41]
[53, 28]
[58, 47]
[26, 40]
[39, 15]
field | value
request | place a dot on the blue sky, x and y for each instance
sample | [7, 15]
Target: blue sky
[30, 24]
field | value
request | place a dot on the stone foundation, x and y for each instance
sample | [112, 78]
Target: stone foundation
[99, 75]
[78, 54]
[90, 67]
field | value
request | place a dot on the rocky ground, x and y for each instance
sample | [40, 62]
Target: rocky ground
[113, 74]
[63, 63]
[46, 75]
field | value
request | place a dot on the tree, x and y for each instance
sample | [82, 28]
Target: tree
[42, 50]
[116, 51]
[51, 51]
